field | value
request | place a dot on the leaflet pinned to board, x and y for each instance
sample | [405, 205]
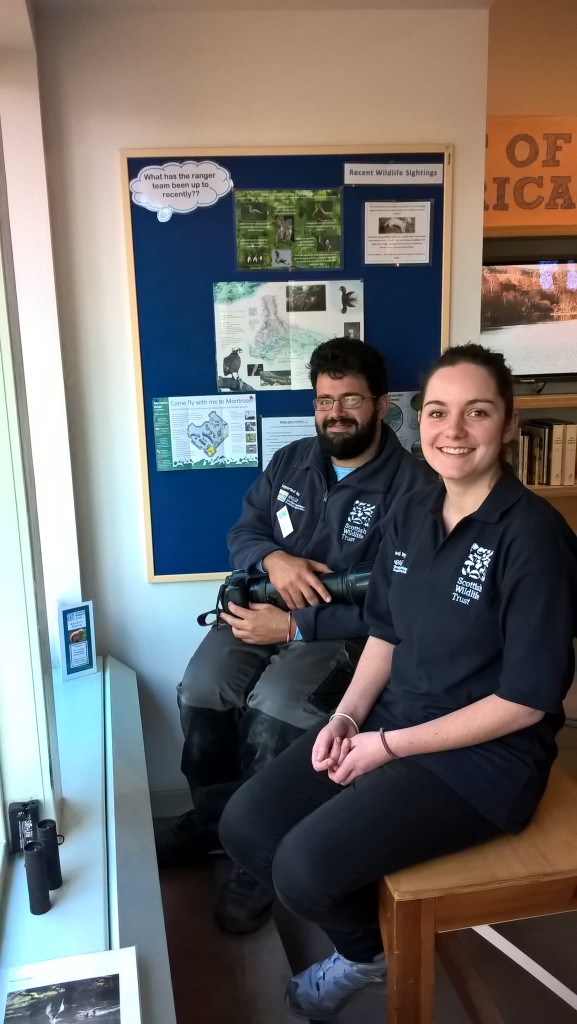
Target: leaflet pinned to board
[398, 233]
[278, 431]
[265, 331]
[282, 228]
[205, 432]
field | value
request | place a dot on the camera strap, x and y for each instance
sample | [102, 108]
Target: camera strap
[203, 618]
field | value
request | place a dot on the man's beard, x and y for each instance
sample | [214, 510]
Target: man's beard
[347, 446]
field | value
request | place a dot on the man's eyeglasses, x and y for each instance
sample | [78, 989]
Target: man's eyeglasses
[345, 402]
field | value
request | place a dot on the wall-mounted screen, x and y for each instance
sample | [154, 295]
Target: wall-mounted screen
[529, 313]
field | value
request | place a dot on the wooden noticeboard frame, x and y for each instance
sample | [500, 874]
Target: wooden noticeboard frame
[172, 266]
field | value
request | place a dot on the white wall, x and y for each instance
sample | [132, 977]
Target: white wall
[118, 80]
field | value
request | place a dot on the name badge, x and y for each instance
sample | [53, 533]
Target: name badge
[284, 521]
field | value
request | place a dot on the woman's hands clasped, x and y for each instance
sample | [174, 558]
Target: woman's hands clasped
[346, 755]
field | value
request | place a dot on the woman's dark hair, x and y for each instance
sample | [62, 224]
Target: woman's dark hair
[493, 362]
[340, 357]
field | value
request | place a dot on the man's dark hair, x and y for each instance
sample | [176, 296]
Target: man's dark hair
[340, 357]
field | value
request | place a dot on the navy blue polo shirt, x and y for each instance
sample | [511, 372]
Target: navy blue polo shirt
[488, 609]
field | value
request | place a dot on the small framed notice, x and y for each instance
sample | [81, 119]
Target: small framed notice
[77, 647]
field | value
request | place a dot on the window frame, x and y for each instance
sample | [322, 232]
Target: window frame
[28, 747]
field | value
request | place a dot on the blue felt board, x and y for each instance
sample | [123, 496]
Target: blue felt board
[176, 264]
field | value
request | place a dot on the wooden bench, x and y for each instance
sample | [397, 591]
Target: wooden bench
[507, 879]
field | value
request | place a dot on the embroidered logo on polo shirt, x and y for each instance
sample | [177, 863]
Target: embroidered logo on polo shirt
[399, 562]
[290, 496]
[359, 521]
[470, 582]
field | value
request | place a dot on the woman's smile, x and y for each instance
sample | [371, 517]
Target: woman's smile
[455, 451]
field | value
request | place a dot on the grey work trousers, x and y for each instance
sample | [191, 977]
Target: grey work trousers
[242, 704]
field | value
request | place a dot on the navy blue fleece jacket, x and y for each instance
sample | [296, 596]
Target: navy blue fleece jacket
[332, 522]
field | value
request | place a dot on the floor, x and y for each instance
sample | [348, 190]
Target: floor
[225, 979]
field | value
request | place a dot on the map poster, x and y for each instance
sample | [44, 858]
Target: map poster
[206, 432]
[278, 230]
[266, 330]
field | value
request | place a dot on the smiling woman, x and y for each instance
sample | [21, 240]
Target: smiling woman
[448, 726]
[466, 421]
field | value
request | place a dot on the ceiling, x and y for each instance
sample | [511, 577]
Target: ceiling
[259, 5]
[16, 34]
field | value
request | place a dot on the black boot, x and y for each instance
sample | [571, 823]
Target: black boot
[243, 904]
[210, 759]
[211, 765]
[185, 842]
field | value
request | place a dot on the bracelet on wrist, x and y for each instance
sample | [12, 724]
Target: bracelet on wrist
[342, 714]
[395, 757]
[289, 627]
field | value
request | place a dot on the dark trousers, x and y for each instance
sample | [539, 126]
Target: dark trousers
[324, 847]
[242, 704]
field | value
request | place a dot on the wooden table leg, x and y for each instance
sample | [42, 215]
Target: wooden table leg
[409, 937]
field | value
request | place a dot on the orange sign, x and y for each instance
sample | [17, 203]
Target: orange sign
[531, 175]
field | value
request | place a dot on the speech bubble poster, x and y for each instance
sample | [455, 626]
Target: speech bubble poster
[180, 187]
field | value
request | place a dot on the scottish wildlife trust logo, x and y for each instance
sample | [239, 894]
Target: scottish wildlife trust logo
[470, 582]
[359, 520]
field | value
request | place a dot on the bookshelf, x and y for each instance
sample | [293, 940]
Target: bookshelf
[563, 498]
[545, 402]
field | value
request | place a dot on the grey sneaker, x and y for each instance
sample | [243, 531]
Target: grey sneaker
[325, 989]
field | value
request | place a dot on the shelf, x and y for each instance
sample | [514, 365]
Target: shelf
[546, 401]
[562, 498]
[546, 491]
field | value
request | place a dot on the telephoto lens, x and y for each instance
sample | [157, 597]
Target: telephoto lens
[47, 835]
[349, 586]
[261, 591]
[356, 582]
[36, 877]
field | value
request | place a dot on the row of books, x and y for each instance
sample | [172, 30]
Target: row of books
[546, 453]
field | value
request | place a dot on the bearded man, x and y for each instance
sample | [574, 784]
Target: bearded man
[264, 676]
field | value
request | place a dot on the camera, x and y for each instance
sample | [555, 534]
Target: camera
[243, 588]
